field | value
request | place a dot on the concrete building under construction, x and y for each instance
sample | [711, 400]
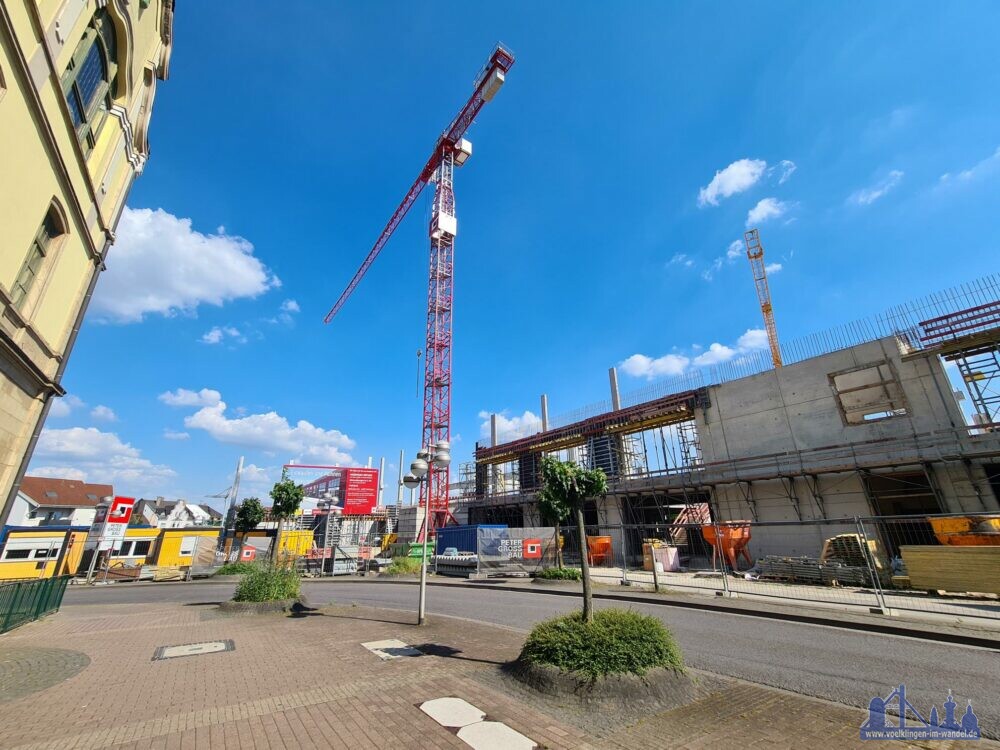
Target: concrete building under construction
[859, 421]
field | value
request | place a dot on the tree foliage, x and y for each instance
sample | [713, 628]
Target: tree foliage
[286, 497]
[249, 513]
[566, 486]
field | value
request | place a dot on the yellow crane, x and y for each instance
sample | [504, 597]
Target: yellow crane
[755, 252]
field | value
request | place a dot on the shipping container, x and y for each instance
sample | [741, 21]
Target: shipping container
[462, 538]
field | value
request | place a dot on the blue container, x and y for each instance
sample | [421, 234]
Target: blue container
[463, 538]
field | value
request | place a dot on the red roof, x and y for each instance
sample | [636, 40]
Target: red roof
[65, 492]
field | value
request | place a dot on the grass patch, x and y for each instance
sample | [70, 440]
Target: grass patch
[560, 574]
[234, 569]
[268, 583]
[618, 641]
[402, 566]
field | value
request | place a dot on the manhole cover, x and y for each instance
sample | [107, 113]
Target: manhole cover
[193, 649]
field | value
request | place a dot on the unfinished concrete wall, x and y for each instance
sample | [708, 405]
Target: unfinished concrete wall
[821, 402]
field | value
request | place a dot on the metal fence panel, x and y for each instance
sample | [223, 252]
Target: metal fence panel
[940, 564]
[24, 601]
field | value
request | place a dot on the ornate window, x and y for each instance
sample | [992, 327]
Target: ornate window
[89, 80]
[43, 243]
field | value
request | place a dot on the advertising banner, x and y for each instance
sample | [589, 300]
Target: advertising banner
[516, 550]
[359, 491]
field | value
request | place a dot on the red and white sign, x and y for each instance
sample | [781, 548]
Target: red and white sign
[121, 510]
[359, 491]
[532, 549]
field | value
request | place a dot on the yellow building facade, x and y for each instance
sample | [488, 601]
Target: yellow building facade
[77, 84]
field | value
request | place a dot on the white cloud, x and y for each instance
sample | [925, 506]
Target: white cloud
[787, 168]
[184, 397]
[766, 208]
[511, 428]
[735, 250]
[716, 353]
[268, 431]
[63, 407]
[709, 273]
[739, 176]
[88, 454]
[773, 268]
[218, 334]
[867, 196]
[752, 340]
[174, 435]
[681, 259]
[254, 473]
[641, 366]
[984, 167]
[103, 413]
[159, 264]
[290, 306]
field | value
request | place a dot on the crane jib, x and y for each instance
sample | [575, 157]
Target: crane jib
[486, 85]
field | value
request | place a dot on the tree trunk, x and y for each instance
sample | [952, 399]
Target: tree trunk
[277, 541]
[588, 595]
[559, 554]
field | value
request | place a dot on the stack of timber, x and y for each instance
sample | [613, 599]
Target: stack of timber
[959, 569]
[848, 549]
[812, 571]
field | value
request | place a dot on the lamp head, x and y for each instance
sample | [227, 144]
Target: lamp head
[411, 482]
[418, 468]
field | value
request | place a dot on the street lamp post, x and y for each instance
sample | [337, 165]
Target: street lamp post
[438, 456]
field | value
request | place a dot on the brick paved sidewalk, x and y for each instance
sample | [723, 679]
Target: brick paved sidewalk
[306, 682]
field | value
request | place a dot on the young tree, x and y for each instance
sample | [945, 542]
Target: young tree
[565, 488]
[249, 513]
[286, 497]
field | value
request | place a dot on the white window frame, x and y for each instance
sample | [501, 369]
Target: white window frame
[131, 544]
[185, 541]
[39, 548]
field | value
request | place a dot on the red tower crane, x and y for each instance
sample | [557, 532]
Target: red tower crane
[755, 252]
[450, 150]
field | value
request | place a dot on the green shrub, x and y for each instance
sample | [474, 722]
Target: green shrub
[234, 569]
[268, 583]
[560, 574]
[401, 566]
[618, 641]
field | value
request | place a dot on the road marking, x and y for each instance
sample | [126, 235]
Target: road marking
[473, 728]
[391, 649]
[193, 649]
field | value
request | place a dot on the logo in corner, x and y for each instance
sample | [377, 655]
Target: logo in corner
[910, 724]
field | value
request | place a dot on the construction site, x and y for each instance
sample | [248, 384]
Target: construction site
[844, 458]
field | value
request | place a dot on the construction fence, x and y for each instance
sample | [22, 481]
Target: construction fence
[947, 565]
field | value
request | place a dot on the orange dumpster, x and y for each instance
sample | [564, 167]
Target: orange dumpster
[731, 541]
[967, 531]
[599, 550]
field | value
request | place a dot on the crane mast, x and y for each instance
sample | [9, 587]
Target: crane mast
[451, 150]
[755, 252]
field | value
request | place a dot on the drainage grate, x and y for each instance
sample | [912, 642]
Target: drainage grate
[193, 649]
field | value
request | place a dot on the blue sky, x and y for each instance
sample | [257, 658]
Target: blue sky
[609, 179]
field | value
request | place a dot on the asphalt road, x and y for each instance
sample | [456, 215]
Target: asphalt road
[841, 665]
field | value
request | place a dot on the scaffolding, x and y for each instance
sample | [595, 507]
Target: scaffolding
[971, 338]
